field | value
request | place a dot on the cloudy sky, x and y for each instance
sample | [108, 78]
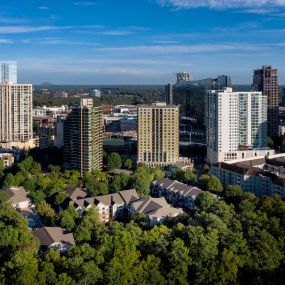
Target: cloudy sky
[141, 41]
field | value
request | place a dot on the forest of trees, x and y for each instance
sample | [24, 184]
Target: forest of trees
[238, 239]
[110, 95]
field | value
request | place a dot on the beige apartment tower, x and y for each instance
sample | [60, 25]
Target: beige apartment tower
[158, 134]
[16, 125]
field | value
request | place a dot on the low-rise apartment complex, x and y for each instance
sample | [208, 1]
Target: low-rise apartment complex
[175, 192]
[262, 176]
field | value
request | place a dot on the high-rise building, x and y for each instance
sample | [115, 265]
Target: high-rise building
[266, 81]
[16, 125]
[158, 134]
[183, 76]
[8, 71]
[95, 93]
[169, 94]
[190, 96]
[83, 149]
[236, 125]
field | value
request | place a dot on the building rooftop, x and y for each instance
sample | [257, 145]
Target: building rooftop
[158, 106]
[16, 194]
[120, 171]
[76, 193]
[248, 168]
[120, 198]
[176, 186]
[155, 207]
[50, 235]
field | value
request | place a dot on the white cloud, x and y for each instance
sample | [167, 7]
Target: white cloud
[124, 31]
[43, 8]
[222, 4]
[9, 20]
[117, 33]
[168, 42]
[30, 29]
[24, 29]
[84, 3]
[178, 49]
[6, 41]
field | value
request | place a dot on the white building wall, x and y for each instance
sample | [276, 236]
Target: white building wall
[235, 120]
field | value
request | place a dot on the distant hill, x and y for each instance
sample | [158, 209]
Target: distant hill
[46, 84]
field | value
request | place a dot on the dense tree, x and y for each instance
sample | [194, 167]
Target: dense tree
[210, 183]
[67, 218]
[46, 212]
[113, 161]
[19, 178]
[18, 248]
[189, 176]
[141, 179]
[205, 202]
[214, 185]
[72, 178]
[236, 239]
[203, 181]
[150, 271]
[120, 182]
[128, 164]
[92, 180]
[185, 176]
[36, 168]
[2, 168]
[206, 168]
[270, 142]
[22, 268]
[59, 198]
[26, 164]
[178, 262]
[157, 173]
[233, 194]
[9, 180]
[54, 168]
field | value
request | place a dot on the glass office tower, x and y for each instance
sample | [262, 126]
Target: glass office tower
[190, 96]
[8, 72]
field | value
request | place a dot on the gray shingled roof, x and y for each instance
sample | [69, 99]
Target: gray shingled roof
[155, 207]
[16, 194]
[176, 186]
[129, 195]
[279, 161]
[76, 193]
[120, 198]
[49, 235]
[163, 182]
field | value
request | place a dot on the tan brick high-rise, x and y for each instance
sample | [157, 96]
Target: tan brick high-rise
[158, 134]
[266, 80]
[16, 125]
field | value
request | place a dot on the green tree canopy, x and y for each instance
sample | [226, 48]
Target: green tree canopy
[270, 142]
[128, 164]
[113, 161]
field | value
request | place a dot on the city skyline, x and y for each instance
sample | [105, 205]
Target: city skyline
[122, 42]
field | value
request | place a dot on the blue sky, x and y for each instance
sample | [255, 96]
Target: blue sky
[141, 41]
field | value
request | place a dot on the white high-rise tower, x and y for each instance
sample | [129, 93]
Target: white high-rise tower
[236, 125]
